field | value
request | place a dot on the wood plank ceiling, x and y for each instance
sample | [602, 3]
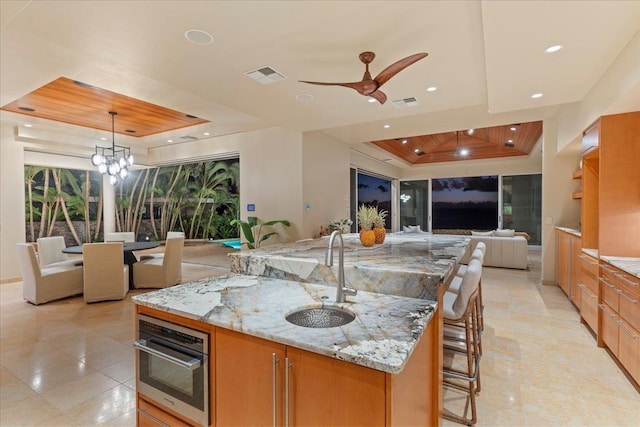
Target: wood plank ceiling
[511, 140]
[69, 101]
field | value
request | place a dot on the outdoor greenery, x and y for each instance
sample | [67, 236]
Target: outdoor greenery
[250, 226]
[200, 199]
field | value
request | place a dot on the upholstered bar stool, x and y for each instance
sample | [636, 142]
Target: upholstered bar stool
[459, 312]
[478, 253]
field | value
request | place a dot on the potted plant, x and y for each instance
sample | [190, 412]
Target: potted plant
[379, 225]
[366, 216]
[247, 227]
[344, 225]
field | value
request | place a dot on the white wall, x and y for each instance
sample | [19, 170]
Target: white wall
[325, 168]
[12, 217]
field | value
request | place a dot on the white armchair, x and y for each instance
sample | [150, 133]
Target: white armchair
[44, 284]
[106, 277]
[124, 236]
[161, 272]
[50, 252]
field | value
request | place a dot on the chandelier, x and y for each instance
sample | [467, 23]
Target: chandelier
[115, 160]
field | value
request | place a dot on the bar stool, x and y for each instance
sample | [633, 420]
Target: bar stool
[461, 336]
[478, 253]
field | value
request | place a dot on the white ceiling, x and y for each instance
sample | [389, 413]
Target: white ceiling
[485, 57]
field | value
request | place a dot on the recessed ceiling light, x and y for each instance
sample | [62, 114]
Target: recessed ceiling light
[169, 140]
[28, 125]
[198, 37]
[207, 134]
[513, 128]
[432, 89]
[464, 152]
[509, 140]
[417, 150]
[371, 100]
[404, 141]
[470, 131]
[304, 97]
[104, 138]
[554, 48]
[386, 126]
[536, 95]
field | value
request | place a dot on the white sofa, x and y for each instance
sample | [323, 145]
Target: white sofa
[507, 252]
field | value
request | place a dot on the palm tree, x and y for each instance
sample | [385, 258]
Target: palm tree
[30, 172]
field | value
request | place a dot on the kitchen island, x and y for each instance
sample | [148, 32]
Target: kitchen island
[383, 368]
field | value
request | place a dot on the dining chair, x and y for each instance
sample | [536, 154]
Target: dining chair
[50, 252]
[106, 277]
[161, 272]
[170, 235]
[122, 236]
[44, 284]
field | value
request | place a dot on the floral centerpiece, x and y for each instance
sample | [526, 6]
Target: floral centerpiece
[343, 225]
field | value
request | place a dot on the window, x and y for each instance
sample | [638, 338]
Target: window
[465, 203]
[371, 191]
[522, 204]
[414, 204]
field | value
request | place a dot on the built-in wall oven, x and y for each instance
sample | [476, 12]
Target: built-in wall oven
[172, 367]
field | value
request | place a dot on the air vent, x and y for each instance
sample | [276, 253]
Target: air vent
[406, 102]
[265, 75]
[188, 138]
[420, 153]
[509, 144]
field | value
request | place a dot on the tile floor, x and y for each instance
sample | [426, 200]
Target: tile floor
[67, 363]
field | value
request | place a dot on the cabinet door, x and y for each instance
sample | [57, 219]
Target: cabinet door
[589, 307]
[629, 350]
[576, 249]
[564, 247]
[325, 391]
[609, 328]
[245, 380]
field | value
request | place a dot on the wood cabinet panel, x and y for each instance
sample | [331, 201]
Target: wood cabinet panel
[326, 391]
[576, 250]
[589, 307]
[619, 181]
[563, 260]
[629, 350]
[608, 328]
[244, 380]
[589, 272]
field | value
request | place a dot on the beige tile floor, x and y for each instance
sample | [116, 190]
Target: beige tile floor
[67, 363]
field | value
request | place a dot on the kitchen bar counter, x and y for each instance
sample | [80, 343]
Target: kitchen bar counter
[382, 336]
[411, 265]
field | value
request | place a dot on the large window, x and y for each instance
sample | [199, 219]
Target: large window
[414, 204]
[371, 191]
[465, 203]
[522, 204]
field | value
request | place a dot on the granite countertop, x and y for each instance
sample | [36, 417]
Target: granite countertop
[570, 230]
[382, 336]
[591, 252]
[627, 264]
[405, 265]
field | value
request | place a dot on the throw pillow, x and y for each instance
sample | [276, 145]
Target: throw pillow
[504, 233]
[411, 229]
[482, 233]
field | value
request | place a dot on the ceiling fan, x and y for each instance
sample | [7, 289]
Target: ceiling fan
[370, 87]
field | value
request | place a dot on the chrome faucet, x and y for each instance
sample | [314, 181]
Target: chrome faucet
[342, 289]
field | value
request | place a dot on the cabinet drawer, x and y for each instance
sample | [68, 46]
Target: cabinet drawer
[589, 307]
[629, 350]
[629, 308]
[610, 293]
[609, 328]
[149, 415]
[629, 283]
[589, 272]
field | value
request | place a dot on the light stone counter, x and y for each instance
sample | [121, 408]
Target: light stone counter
[627, 264]
[382, 336]
[405, 264]
[570, 230]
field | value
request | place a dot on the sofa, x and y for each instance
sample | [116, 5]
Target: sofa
[505, 249]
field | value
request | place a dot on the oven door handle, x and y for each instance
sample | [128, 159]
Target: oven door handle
[192, 364]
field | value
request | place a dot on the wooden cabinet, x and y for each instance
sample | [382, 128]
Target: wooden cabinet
[563, 261]
[620, 317]
[589, 291]
[259, 380]
[569, 248]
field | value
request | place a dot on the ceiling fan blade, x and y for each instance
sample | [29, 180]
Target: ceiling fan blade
[361, 86]
[379, 96]
[396, 67]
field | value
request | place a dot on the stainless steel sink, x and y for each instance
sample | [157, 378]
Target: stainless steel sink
[320, 317]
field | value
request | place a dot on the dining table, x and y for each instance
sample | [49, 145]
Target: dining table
[128, 249]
